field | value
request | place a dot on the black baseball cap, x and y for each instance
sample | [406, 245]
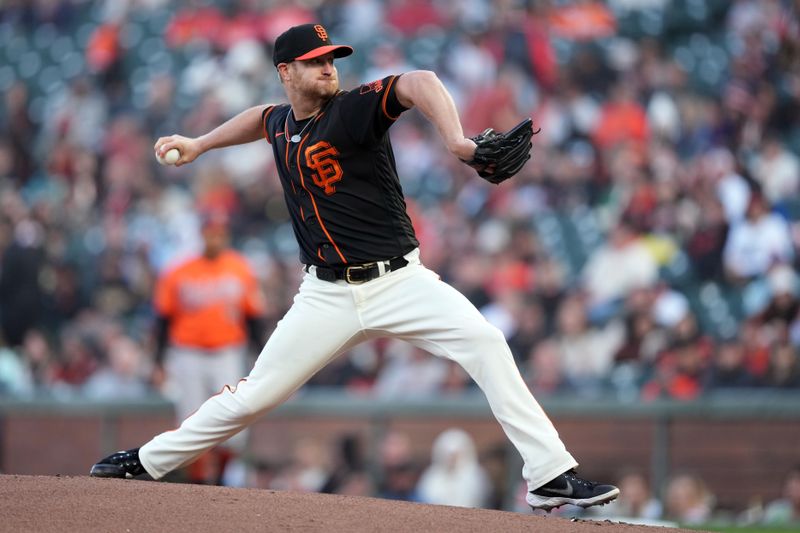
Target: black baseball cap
[306, 41]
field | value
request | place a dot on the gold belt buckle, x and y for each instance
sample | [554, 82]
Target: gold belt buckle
[356, 267]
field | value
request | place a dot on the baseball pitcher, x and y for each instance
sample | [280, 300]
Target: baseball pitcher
[363, 276]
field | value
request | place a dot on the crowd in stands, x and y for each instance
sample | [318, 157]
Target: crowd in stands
[454, 473]
[648, 249]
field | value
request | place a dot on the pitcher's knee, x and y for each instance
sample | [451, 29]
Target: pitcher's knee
[253, 398]
[484, 341]
[488, 336]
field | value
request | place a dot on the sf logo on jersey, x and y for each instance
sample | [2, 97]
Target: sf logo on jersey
[321, 158]
[376, 86]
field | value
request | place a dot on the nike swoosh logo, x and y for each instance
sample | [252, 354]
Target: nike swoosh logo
[564, 492]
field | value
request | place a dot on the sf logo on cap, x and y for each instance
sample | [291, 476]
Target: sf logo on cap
[321, 32]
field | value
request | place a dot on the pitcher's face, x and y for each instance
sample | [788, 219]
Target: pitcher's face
[313, 78]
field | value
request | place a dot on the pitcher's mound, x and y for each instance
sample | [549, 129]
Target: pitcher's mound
[58, 504]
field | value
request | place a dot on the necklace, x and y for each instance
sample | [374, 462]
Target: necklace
[297, 136]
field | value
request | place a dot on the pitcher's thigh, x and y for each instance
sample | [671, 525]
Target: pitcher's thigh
[319, 326]
[438, 318]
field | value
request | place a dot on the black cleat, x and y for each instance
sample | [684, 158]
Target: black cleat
[123, 464]
[568, 488]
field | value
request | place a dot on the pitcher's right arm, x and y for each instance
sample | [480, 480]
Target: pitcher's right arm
[243, 128]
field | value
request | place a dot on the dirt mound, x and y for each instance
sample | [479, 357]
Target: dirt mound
[57, 504]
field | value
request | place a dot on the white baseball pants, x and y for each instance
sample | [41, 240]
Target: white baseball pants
[328, 319]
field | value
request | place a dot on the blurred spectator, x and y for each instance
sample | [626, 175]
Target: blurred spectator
[21, 132]
[678, 373]
[543, 372]
[635, 502]
[757, 242]
[454, 477]
[348, 470]
[617, 268]
[39, 359]
[622, 118]
[670, 308]
[15, 378]
[783, 371]
[457, 381]
[687, 500]
[410, 372]
[777, 170]
[77, 114]
[122, 376]
[78, 360]
[731, 189]
[307, 470]
[399, 472]
[20, 292]
[531, 329]
[586, 352]
[706, 242]
[786, 510]
[780, 292]
[645, 338]
[728, 369]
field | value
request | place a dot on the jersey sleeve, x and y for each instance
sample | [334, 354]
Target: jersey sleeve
[368, 112]
[265, 120]
[270, 117]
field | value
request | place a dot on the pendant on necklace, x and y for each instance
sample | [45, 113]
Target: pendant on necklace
[295, 138]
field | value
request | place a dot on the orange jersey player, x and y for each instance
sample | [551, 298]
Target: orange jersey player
[208, 307]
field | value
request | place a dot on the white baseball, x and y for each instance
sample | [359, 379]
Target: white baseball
[170, 158]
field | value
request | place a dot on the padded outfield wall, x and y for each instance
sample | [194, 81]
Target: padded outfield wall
[741, 445]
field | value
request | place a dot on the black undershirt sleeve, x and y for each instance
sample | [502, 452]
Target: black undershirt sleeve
[162, 337]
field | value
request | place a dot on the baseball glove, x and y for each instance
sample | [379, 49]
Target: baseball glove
[499, 156]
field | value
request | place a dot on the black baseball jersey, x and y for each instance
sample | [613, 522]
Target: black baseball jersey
[340, 181]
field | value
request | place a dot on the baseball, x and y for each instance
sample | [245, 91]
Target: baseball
[170, 158]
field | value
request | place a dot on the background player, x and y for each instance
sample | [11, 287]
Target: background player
[363, 276]
[208, 306]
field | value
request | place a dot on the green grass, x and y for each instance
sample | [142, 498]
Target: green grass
[747, 529]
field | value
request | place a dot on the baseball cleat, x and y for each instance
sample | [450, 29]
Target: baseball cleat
[568, 488]
[124, 464]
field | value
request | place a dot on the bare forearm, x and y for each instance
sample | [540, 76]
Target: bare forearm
[423, 89]
[243, 128]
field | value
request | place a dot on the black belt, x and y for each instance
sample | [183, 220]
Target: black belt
[359, 273]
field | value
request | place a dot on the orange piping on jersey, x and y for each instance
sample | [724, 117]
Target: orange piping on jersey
[264, 123]
[313, 202]
[383, 100]
[319, 254]
[302, 214]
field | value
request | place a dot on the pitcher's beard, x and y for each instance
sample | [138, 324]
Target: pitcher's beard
[325, 91]
[320, 90]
